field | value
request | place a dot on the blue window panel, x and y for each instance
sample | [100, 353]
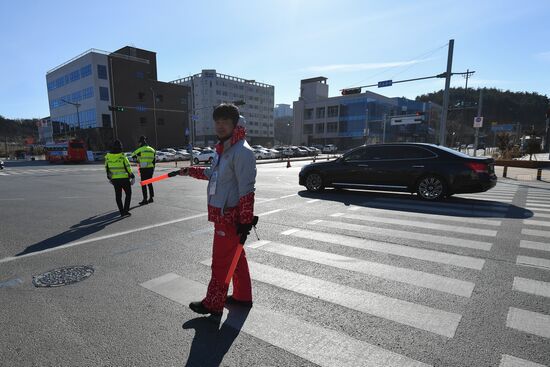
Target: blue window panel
[102, 72]
[104, 93]
[86, 71]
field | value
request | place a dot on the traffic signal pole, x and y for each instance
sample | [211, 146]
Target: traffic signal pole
[443, 124]
[479, 105]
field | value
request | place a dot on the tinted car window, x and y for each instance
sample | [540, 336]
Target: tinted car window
[405, 152]
[356, 155]
[381, 153]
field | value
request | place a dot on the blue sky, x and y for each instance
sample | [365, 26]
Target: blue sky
[281, 42]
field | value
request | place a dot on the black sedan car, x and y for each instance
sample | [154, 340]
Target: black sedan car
[432, 171]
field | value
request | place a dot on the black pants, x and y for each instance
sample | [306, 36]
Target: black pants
[147, 173]
[122, 184]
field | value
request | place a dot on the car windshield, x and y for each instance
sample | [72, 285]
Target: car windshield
[452, 151]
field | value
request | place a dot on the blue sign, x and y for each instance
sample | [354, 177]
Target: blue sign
[385, 83]
[505, 127]
[194, 117]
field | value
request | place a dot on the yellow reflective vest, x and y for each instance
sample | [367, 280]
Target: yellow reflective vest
[145, 156]
[117, 166]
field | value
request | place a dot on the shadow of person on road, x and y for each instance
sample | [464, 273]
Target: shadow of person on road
[77, 231]
[211, 343]
[405, 202]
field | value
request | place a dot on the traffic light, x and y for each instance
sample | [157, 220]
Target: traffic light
[345, 92]
[116, 108]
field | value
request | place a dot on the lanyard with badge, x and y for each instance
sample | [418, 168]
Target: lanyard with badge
[214, 177]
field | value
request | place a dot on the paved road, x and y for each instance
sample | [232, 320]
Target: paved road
[343, 278]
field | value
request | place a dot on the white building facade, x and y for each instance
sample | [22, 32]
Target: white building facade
[210, 89]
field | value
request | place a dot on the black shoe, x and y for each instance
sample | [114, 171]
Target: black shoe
[143, 202]
[232, 301]
[150, 201]
[198, 307]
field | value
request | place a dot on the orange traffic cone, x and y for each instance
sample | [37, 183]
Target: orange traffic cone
[288, 163]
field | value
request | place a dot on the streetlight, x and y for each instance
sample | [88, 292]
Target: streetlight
[155, 117]
[77, 105]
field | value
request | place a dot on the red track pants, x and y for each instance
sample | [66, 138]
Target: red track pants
[226, 241]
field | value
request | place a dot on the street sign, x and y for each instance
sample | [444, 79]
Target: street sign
[505, 127]
[385, 83]
[194, 117]
[478, 121]
[406, 120]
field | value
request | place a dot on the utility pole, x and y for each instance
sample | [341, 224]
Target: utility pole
[443, 124]
[479, 106]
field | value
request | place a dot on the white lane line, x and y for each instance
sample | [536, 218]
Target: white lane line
[13, 199]
[527, 321]
[536, 210]
[541, 215]
[312, 201]
[535, 232]
[537, 204]
[407, 313]
[393, 273]
[288, 196]
[473, 220]
[290, 231]
[542, 246]
[448, 211]
[390, 248]
[270, 212]
[535, 262]
[531, 286]
[424, 224]
[321, 346]
[541, 223]
[442, 240]
[511, 361]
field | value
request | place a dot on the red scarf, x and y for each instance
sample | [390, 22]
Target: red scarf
[239, 133]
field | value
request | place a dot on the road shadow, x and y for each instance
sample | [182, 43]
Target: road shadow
[406, 202]
[77, 231]
[212, 342]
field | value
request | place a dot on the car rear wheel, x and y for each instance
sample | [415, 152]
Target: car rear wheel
[314, 182]
[431, 188]
[196, 160]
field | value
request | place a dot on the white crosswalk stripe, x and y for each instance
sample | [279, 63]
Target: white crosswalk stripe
[432, 209]
[537, 223]
[319, 345]
[449, 218]
[419, 224]
[446, 204]
[538, 204]
[390, 248]
[531, 286]
[536, 209]
[528, 321]
[542, 246]
[510, 361]
[535, 232]
[393, 273]
[541, 215]
[535, 262]
[403, 312]
[443, 240]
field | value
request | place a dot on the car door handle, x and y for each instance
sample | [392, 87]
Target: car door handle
[363, 165]
[417, 166]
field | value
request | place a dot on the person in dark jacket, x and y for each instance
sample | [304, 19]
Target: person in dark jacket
[120, 175]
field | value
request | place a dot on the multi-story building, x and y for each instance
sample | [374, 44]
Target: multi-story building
[282, 110]
[351, 120]
[82, 90]
[255, 101]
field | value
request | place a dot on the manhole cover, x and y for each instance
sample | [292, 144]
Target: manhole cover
[63, 276]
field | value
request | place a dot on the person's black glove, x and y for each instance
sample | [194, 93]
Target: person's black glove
[243, 230]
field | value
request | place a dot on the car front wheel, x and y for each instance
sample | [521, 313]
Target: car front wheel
[196, 160]
[431, 188]
[314, 182]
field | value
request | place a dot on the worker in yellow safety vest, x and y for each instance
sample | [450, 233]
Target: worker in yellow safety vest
[120, 175]
[145, 156]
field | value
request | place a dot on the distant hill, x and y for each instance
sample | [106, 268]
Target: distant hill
[18, 129]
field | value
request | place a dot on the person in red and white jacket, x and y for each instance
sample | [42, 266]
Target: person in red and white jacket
[231, 187]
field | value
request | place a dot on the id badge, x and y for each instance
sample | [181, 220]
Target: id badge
[212, 183]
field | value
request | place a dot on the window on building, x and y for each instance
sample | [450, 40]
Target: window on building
[320, 113]
[308, 129]
[160, 121]
[106, 120]
[332, 111]
[103, 93]
[332, 127]
[308, 113]
[143, 120]
[319, 128]
[86, 71]
[102, 72]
